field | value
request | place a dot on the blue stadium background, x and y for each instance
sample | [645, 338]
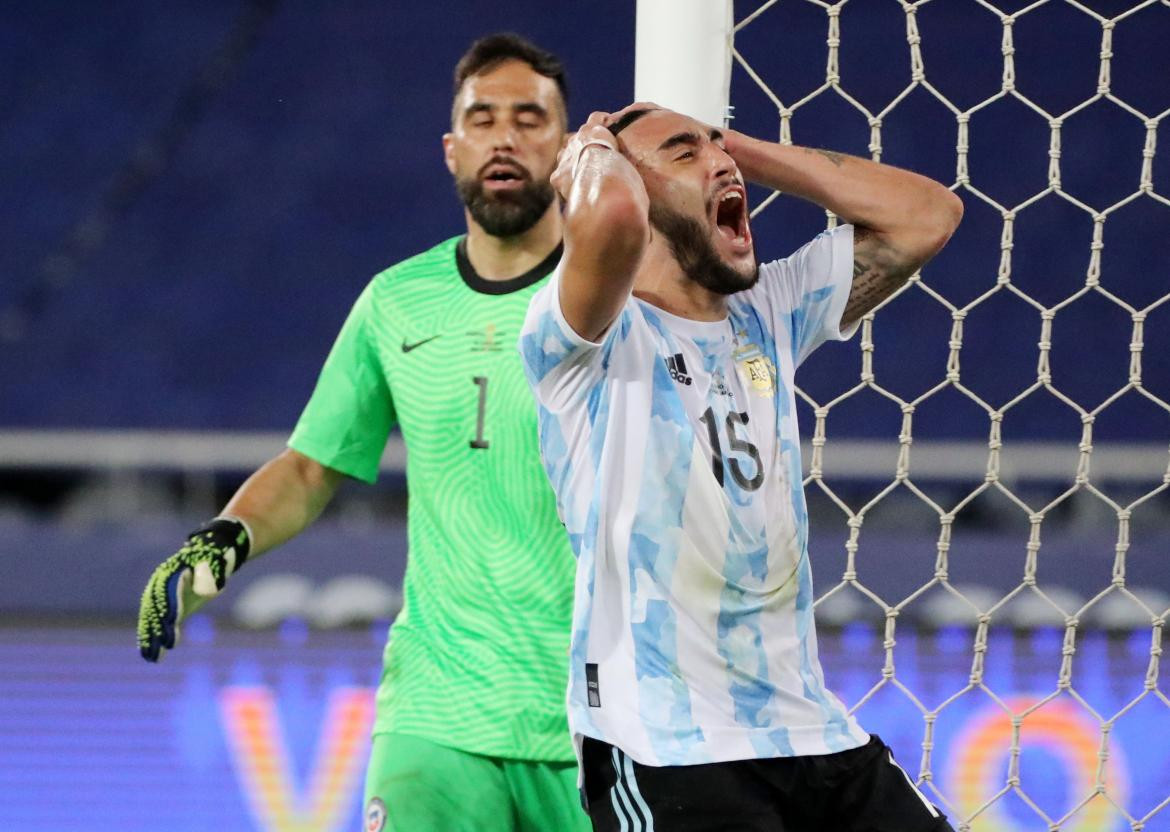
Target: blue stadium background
[194, 195]
[318, 163]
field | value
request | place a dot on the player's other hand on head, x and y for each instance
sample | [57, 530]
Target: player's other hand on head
[617, 116]
[185, 580]
[593, 131]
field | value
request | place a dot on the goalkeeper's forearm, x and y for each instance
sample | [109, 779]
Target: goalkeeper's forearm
[275, 503]
[282, 498]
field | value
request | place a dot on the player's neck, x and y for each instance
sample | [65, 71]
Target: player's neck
[660, 281]
[503, 258]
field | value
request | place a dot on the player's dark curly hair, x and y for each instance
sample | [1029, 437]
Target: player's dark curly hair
[489, 52]
[628, 119]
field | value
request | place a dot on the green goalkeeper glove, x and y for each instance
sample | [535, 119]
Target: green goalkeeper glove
[193, 574]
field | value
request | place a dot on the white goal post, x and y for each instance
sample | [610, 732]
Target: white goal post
[682, 56]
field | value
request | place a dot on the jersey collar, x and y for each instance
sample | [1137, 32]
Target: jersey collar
[503, 287]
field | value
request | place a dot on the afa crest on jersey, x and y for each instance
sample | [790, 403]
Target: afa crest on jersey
[755, 368]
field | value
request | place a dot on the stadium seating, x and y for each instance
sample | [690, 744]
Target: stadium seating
[215, 294]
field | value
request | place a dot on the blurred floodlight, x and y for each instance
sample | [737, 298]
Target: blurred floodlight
[353, 599]
[270, 600]
[946, 609]
[1117, 611]
[846, 606]
[1028, 610]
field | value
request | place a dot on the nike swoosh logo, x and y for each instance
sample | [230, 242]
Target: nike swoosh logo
[408, 347]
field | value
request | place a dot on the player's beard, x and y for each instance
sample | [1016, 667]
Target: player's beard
[506, 213]
[690, 242]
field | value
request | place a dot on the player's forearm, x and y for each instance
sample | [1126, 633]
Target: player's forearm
[282, 498]
[607, 209]
[914, 212]
[607, 228]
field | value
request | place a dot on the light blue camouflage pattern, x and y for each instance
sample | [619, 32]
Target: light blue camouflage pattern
[723, 666]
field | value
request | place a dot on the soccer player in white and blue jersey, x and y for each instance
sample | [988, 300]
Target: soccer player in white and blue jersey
[662, 359]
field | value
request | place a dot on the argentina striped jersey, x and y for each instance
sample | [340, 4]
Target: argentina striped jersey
[673, 450]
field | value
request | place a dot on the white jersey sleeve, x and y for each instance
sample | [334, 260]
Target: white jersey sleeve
[567, 374]
[561, 365]
[806, 292]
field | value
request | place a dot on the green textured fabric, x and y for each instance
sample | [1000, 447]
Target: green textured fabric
[416, 785]
[477, 659]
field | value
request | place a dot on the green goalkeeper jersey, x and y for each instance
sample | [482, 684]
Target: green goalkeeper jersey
[477, 658]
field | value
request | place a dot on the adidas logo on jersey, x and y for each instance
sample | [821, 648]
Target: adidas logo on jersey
[678, 368]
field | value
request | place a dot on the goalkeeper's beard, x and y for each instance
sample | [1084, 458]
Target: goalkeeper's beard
[505, 214]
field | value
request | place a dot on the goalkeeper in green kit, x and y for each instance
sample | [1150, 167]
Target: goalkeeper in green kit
[471, 732]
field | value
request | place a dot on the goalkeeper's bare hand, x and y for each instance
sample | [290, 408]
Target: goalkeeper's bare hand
[185, 580]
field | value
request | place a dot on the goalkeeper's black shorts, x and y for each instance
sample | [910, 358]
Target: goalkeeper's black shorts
[861, 790]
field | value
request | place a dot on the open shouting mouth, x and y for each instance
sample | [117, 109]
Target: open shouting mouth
[729, 214]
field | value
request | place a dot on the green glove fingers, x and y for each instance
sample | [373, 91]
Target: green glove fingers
[203, 565]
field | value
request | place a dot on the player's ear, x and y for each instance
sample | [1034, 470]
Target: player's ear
[449, 151]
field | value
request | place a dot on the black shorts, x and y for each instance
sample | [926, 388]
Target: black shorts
[861, 790]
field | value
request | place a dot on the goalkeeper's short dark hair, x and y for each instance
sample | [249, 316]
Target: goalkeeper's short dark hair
[489, 52]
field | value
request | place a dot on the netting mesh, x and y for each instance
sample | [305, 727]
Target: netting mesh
[1102, 803]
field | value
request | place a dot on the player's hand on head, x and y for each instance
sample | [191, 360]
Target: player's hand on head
[629, 108]
[734, 142]
[637, 107]
[593, 131]
[181, 583]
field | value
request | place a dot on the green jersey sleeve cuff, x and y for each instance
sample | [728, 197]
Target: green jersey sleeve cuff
[356, 464]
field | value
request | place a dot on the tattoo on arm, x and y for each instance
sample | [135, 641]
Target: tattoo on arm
[879, 270]
[832, 155]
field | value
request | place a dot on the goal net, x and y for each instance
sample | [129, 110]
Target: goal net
[986, 462]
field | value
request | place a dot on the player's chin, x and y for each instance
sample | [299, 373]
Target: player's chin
[739, 256]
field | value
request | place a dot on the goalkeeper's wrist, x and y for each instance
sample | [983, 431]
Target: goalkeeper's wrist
[228, 532]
